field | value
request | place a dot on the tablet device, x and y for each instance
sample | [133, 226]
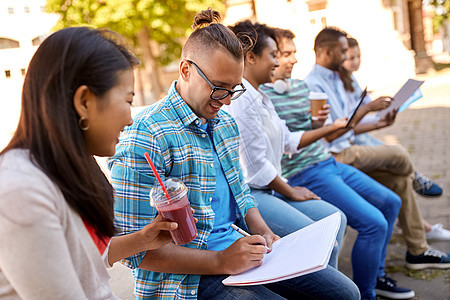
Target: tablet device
[363, 95]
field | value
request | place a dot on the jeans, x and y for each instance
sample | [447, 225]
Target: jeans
[371, 209]
[325, 284]
[391, 166]
[285, 216]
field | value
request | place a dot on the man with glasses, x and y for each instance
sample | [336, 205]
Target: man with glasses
[188, 137]
[219, 93]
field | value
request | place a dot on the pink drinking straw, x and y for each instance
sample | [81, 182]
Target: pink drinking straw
[157, 175]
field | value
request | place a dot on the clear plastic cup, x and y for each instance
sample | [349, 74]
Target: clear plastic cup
[177, 209]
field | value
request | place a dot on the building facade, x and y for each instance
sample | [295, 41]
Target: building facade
[390, 33]
[23, 26]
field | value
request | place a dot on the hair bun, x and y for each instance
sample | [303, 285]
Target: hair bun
[206, 18]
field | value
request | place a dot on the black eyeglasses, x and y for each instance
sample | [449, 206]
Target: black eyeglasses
[219, 93]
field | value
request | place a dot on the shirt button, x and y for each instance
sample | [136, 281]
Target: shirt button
[210, 199]
[212, 165]
[203, 135]
[192, 292]
[197, 121]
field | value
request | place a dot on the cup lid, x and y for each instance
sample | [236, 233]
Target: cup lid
[317, 95]
[174, 187]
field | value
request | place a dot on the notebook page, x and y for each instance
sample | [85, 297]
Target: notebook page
[304, 251]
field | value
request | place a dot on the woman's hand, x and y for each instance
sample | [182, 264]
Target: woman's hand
[380, 103]
[157, 233]
[299, 193]
[388, 120]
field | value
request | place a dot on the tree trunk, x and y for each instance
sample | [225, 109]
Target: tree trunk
[151, 70]
[139, 87]
[423, 61]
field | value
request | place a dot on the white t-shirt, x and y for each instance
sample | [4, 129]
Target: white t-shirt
[264, 137]
[46, 251]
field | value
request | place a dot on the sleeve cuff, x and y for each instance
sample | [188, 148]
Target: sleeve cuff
[263, 177]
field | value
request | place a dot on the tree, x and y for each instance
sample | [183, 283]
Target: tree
[155, 28]
[442, 9]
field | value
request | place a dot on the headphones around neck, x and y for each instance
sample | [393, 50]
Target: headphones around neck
[281, 86]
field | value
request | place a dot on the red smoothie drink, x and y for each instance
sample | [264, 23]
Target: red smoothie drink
[176, 209]
[180, 213]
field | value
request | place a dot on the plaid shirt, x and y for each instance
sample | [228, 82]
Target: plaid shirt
[170, 132]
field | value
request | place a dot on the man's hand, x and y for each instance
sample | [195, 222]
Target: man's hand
[340, 123]
[299, 193]
[242, 255]
[270, 238]
[379, 103]
[318, 121]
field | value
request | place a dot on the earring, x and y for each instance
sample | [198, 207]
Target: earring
[80, 124]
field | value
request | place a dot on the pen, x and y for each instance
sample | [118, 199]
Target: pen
[243, 232]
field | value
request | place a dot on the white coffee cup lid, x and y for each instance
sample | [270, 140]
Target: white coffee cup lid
[317, 95]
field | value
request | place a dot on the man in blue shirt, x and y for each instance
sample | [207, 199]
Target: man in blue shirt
[389, 165]
[188, 137]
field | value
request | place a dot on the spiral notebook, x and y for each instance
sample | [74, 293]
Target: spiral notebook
[302, 252]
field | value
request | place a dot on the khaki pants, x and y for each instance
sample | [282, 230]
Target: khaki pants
[392, 167]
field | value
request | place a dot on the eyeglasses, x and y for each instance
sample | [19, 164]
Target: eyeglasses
[219, 93]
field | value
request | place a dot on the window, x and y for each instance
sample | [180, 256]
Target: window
[42, 8]
[317, 14]
[26, 9]
[38, 40]
[8, 73]
[10, 10]
[8, 43]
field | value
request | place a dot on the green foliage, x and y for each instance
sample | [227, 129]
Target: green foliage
[168, 21]
[442, 9]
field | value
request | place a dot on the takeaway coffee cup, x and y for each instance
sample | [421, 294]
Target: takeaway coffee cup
[317, 101]
[175, 209]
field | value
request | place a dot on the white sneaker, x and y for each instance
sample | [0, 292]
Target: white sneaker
[438, 232]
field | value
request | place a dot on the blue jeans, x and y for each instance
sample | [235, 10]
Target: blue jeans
[325, 284]
[285, 216]
[371, 209]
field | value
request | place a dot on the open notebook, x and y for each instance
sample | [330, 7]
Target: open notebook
[406, 94]
[302, 252]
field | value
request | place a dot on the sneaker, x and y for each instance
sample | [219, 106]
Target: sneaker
[438, 232]
[431, 258]
[425, 187]
[387, 287]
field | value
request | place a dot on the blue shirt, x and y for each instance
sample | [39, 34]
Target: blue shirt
[224, 207]
[172, 135]
[324, 80]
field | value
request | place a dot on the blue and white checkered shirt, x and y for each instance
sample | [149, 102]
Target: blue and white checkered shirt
[170, 132]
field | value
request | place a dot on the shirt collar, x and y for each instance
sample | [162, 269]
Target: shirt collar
[184, 112]
[253, 93]
[325, 72]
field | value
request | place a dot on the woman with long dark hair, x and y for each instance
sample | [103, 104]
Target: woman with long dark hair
[56, 213]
